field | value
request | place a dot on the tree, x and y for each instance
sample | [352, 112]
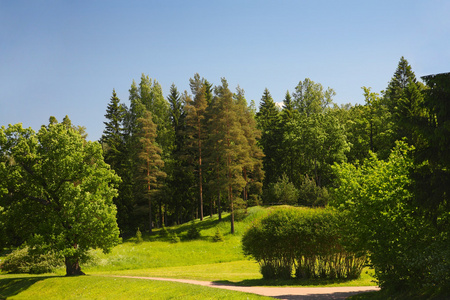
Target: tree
[196, 127]
[268, 119]
[432, 160]
[316, 142]
[253, 172]
[406, 250]
[150, 160]
[113, 144]
[112, 138]
[309, 97]
[404, 100]
[233, 146]
[63, 183]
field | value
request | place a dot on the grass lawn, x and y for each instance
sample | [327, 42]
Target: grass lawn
[200, 259]
[94, 287]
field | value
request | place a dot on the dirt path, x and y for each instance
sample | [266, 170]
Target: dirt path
[289, 293]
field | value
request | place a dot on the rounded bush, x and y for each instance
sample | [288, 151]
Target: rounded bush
[307, 240]
[23, 260]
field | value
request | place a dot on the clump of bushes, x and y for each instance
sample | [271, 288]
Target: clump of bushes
[281, 192]
[311, 194]
[32, 261]
[307, 241]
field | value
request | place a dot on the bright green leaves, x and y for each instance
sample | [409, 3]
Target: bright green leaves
[384, 220]
[61, 186]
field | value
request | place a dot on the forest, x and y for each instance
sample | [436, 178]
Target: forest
[169, 160]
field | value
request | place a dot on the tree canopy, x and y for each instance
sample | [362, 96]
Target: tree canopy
[57, 186]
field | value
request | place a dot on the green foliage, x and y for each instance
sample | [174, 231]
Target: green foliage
[268, 119]
[33, 261]
[309, 97]
[193, 233]
[138, 236]
[313, 144]
[281, 192]
[218, 237]
[174, 238]
[164, 232]
[405, 248]
[307, 240]
[310, 194]
[58, 187]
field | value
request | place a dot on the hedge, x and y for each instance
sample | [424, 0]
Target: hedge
[305, 240]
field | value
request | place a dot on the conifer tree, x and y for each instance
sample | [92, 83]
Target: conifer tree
[112, 138]
[404, 100]
[114, 151]
[252, 163]
[232, 141]
[196, 129]
[150, 161]
[268, 118]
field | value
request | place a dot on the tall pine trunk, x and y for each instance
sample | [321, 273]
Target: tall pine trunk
[149, 200]
[200, 171]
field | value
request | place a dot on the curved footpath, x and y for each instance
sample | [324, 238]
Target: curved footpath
[289, 293]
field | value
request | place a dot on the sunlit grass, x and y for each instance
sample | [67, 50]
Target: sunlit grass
[94, 287]
[200, 259]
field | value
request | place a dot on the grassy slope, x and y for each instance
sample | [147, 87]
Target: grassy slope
[200, 259]
[90, 287]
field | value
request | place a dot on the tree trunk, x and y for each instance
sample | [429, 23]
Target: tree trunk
[232, 209]
[200, 179]
[246, 183]
[73, 266]
[219, 207]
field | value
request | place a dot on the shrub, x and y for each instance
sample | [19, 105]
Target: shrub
[406, 248]
[174, 238]
[308, 240]
[164, 232]
[310, 194]
[193, 232]
[27, 260]
[138, 236]
[218, 237]
[281, 192]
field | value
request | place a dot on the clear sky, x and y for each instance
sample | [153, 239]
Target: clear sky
[65, 57]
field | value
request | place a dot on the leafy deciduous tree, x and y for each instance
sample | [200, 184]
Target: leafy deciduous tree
[63, 183]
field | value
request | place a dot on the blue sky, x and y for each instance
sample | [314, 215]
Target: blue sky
[65, 57]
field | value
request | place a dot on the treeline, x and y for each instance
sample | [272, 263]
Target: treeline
[182, 157]
[188, 155]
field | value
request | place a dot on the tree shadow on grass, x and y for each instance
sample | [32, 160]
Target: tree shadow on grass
[13, 286]
[281, 282]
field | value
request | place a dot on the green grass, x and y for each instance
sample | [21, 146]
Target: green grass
[94, 287]
[200, 259]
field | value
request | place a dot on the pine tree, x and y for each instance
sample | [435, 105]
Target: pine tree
[233, 145]
[196, 129]
[252, 163]
[150, 162]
